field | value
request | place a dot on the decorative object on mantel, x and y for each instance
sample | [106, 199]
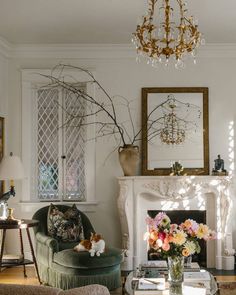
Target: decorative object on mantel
[128, 157]
[175, 242]
[177, 169]
[166, 33]
[219, 168]
[104, 113]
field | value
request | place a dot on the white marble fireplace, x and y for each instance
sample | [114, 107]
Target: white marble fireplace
[141, 193]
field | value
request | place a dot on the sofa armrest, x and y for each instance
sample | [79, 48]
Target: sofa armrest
[45, 248]
[47, 241]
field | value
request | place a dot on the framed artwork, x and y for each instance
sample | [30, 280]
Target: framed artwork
[1, 150]
[175, 129]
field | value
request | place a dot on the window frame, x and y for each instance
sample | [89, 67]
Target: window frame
[31, 80]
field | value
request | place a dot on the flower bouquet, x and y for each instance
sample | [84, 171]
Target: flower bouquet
[175, 241]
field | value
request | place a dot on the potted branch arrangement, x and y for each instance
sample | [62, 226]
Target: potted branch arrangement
[105, 110]
[109, 119]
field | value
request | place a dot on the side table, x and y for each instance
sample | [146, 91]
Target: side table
[25, 224]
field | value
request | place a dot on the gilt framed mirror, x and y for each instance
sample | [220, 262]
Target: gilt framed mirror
[175, 129]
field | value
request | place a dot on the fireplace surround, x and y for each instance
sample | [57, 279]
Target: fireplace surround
[139, 194]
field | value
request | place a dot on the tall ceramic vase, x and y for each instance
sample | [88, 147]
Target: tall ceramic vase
[128, 157]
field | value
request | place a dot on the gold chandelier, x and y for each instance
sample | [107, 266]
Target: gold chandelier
[159, 37]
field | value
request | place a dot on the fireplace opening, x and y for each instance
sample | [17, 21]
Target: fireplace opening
[179, 216]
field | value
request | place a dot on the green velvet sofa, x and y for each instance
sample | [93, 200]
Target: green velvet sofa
[61, 267]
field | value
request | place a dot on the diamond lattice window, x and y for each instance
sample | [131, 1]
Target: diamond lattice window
[61, 146]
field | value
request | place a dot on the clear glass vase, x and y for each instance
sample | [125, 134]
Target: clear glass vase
[176, 289]
[175, 269]
[188, 261]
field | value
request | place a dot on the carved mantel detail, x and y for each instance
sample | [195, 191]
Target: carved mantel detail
[188, 187]
[169, 188]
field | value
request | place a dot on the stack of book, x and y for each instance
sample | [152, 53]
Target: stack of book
[199, 279]
[158, 286]
[151, 286]
[9, 221]
[161, 264]
[161, 267]
[193, 268]
[12, 258]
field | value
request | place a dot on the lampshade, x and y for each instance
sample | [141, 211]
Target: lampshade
[11, 168]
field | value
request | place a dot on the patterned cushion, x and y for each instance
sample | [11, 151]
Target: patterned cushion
[67, 226]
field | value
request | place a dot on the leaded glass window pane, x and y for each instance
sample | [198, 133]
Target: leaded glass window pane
[74, 148]
[61, 146]
[48, 144]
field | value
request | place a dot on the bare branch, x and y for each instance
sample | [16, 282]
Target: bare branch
[113, 125]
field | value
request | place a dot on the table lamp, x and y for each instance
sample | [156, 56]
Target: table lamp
[11, 168]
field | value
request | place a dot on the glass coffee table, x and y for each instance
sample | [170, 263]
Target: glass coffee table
[185, 289]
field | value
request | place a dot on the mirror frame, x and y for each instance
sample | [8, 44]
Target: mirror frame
[166, 171]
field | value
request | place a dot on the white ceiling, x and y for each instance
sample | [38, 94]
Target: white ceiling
[101, 21]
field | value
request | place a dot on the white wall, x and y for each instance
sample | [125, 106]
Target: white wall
[125, 77]
[4, 95]
[3, 87]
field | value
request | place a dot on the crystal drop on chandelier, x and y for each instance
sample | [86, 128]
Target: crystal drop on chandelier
[167, 32]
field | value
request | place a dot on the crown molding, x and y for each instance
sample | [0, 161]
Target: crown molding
[107, 51]
[218, 50]
[74, 51]
[99, 51]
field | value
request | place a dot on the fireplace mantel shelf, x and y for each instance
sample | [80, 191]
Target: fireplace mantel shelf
[138, 192]
[176, 188]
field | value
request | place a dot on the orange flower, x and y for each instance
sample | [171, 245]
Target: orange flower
[151, 242]
[166, 240]
[187, 223]
[185, 252]
[154, 235]
[170, 239]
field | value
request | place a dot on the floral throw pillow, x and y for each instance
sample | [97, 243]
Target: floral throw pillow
[67, 226]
